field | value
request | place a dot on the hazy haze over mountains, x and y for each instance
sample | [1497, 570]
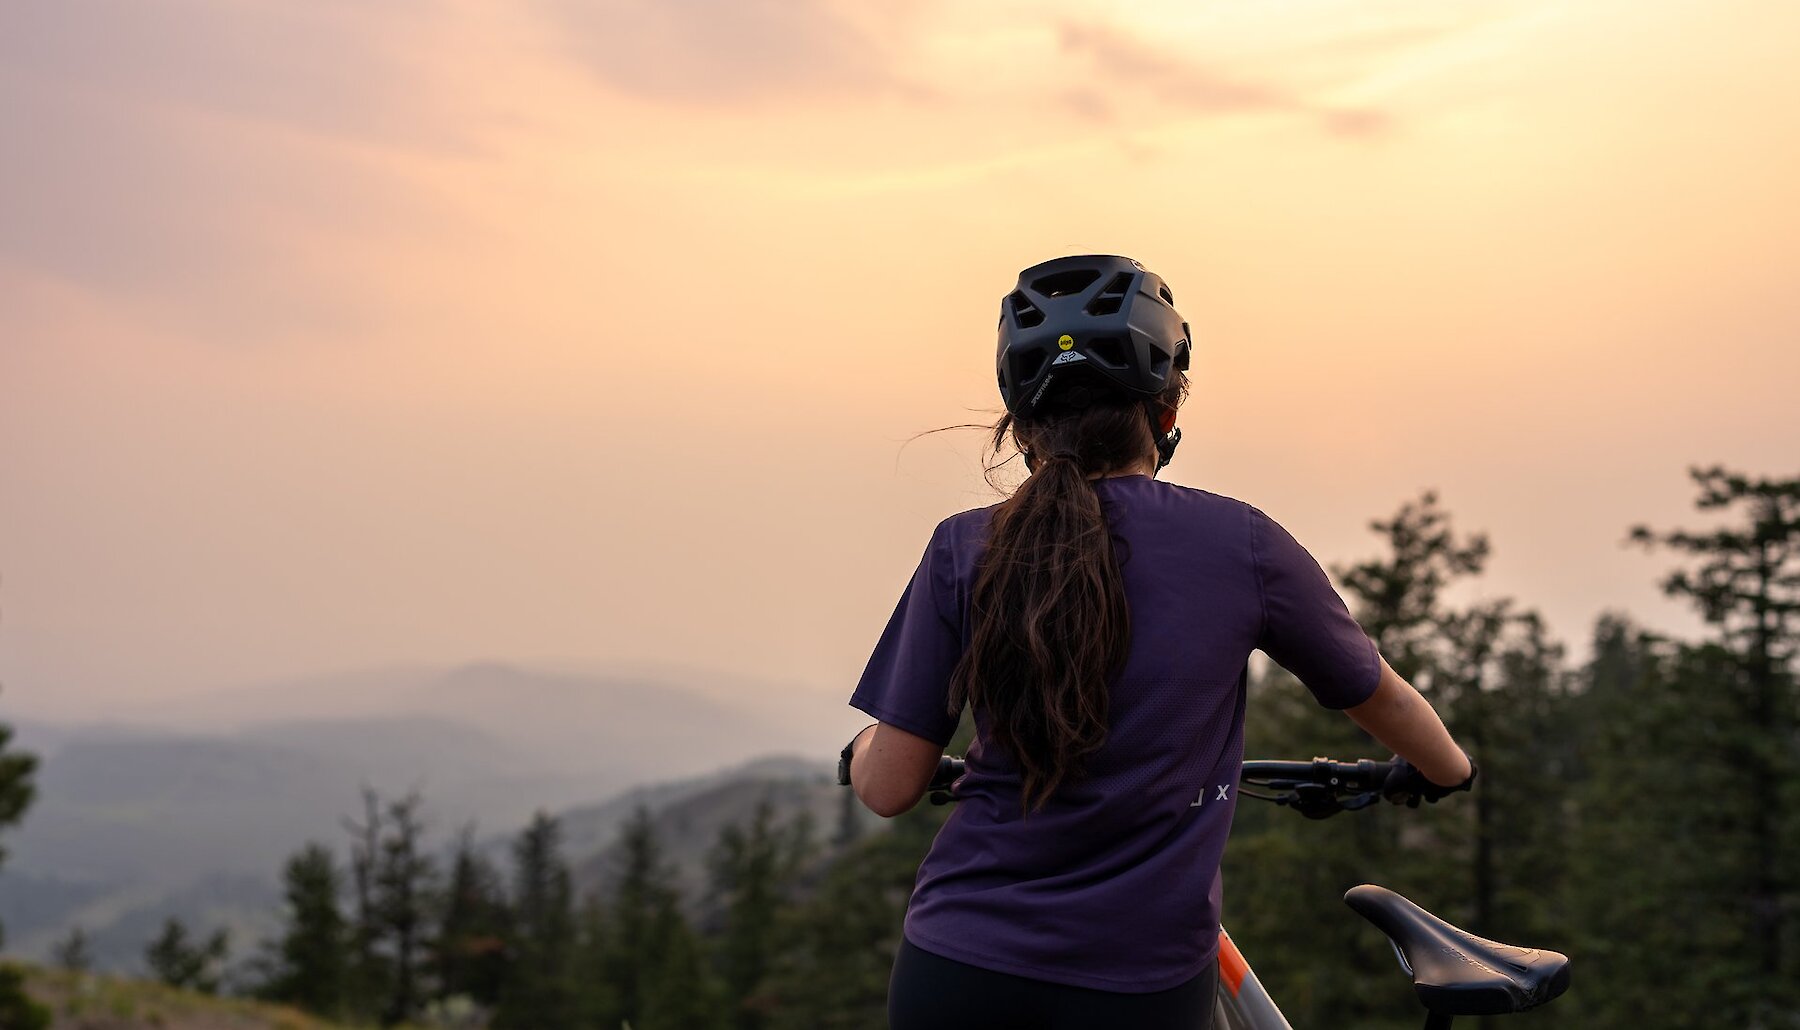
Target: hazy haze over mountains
[191, 807]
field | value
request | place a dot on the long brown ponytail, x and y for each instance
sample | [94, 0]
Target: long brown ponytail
[1051, 627]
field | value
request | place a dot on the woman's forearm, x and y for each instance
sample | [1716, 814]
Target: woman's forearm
[1406, 724]
[890, 768]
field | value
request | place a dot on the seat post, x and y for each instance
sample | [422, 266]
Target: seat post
[1438, 1021]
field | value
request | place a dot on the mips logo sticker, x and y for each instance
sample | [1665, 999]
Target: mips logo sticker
[1065, 342]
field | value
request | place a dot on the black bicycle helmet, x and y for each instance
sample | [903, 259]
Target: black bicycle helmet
[1075, 318]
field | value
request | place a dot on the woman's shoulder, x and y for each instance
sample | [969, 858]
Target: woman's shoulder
[1208, 497]
[965, 528]
[968, 528]
[1188, 498]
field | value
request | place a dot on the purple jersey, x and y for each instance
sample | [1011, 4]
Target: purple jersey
[1114, 884]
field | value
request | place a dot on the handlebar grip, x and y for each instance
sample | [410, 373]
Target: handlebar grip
[949, 770]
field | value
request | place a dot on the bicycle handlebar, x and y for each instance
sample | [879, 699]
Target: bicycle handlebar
[1317, 789]
[1320, 788]
[949, 770]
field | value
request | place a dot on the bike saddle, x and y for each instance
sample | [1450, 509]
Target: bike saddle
[1456, 973]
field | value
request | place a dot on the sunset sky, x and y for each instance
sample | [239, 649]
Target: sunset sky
[338, 334]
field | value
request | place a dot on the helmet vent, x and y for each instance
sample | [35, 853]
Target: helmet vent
[1027, 366]
[1024, 312]
[1110, 299]
[1168, 298]
[1108, 350]
[1061, 284]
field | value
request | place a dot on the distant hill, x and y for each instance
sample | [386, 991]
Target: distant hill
[127, 830]
[689, 817]
[119, 923]
[137, 821]
[162, 809]
[629, 728]
[589, 829]
[45, 739]
[156, 809]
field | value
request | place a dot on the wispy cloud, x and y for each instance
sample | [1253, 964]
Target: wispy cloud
[1130, 73]
[329, 68]
[725, 51]
[215, 163]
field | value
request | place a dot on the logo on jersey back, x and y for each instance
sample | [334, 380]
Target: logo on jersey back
[1222, 792]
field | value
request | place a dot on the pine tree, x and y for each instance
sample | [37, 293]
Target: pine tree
[836, 948]
[641, 891]
[470, 951]
[1660, 850]
[73, 953]
[1511, 705]
[16, 793]
[751, 867]
[179, 961]
[540, 993]
[17, 788]
[369, 968]
[799, 843]
[394, 881]
[1398, 596]
[311, 970]
[679, 992]
[1636, 955]
[753, 872]
[645, 946]
[849, 821]
[596, 1004]
[405, 876]
[1747, 584]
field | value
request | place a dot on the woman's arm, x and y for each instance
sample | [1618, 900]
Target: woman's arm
[890, 768]
[1406, 724]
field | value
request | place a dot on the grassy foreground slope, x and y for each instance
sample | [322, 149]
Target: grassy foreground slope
[95, 1002]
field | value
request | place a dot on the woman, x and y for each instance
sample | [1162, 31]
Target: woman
[1097, 624]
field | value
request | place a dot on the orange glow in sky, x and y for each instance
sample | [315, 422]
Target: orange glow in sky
[335, 334]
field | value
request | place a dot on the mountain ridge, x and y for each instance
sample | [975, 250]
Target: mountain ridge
[133, 817]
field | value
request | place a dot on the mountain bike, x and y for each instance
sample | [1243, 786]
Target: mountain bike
[1454, 973]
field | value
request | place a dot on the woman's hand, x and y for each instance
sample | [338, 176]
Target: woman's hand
[1406, 784]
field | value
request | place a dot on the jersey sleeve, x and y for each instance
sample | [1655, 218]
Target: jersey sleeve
[907, 681]
[1307, 629]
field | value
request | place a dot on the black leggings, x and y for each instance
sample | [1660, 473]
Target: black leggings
[930, 992]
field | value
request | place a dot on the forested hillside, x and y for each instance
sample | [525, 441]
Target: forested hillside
[191, 815]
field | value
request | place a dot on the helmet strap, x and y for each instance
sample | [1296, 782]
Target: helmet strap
[1165, 442]
[1165, 448]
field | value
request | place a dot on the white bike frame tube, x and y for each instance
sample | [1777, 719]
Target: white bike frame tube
[1242, 1004]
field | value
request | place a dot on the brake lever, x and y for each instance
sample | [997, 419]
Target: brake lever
[1314, 801]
